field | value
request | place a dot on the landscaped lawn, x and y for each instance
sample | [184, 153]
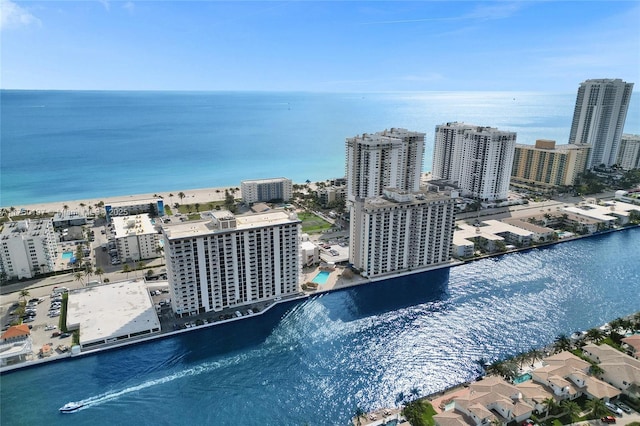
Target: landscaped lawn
[312, 223]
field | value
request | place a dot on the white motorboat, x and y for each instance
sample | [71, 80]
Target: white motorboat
[71, 407]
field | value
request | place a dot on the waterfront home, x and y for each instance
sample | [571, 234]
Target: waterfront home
[632, 344]
[487, 401]
[618, 369]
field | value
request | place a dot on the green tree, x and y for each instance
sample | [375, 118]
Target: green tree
[594, 335]
[126, 269]
[99, 272]
[24, 293]
[572, 409]
[181, 195]
[78, 276]
[549, 405]
[88, 271]
[561, 343]
[596, 408]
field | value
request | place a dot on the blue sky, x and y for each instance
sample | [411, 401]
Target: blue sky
[329, 46]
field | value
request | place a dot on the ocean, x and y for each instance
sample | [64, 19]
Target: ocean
[74, 145]
[314, 362]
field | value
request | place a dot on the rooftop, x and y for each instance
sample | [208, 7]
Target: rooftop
[248, 221]
[111, 310]
[126, 226]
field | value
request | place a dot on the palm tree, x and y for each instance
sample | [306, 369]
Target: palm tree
[482, 364]
[160, 250]
[24, 293]
[549, 405]
[197, 206]
[126, 269]
[597, 408]
[99, 272]
[78, 276]
[358, 414]
[88, 271]
[571, 408]
[139, 265]
[561, 343]
[181, 195]
[594, 335]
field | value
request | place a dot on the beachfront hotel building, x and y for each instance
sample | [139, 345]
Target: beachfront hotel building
[629, 152]
[476, 159]
[388, 159]
[401, 231]
[231, 261]
[548, 164]
[598, 118]
[265, 190]
[136, 237]
[153, 206]
[27, 247]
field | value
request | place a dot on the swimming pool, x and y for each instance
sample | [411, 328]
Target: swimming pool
[321, 278]
[67, 255]
[522, 378]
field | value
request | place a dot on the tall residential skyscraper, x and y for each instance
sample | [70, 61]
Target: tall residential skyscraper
[388, 159]
[401, 231]
[231, 261]
[477, 159]
[629, 152]
[599, 116]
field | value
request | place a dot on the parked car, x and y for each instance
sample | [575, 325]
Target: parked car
[28, 320]
[608, 419]
[624, 407]
[50, 327]
[614, 409]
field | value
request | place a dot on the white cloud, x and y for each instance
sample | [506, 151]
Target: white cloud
[14, 16]
[106, 4]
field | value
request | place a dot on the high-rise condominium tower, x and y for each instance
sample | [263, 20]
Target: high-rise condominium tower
[599, 116]
[388, 159]
[477, 159]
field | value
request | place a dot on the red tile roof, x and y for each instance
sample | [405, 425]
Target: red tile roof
[16, 331]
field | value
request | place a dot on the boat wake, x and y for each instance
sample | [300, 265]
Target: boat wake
[112, 395]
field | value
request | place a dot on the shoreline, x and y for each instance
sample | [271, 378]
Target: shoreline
[294, 298]
[195, 195]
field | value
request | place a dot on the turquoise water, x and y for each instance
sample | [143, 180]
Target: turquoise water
[522, 378]
[175, 141]
[321, 277]
[67, 255]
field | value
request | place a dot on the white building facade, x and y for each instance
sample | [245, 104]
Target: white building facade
[232, 261]
[401, 231]
[27, 247]
[264, 190]
[391, 158]
[629, 152]
[599, 116]
[477, 159]
[136, 237]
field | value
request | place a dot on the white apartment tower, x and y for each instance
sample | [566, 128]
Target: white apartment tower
[27, 247]
[264, 190]
[477, 159]
[629, 152]
[388, 159]
[599, 116]
[231, 261]
[401, 231]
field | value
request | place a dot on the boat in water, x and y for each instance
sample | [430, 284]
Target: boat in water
[71, 407]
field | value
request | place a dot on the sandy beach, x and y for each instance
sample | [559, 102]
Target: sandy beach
[202, 196]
